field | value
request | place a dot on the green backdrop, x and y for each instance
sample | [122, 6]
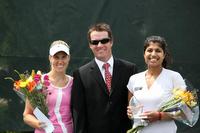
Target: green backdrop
[28, 27]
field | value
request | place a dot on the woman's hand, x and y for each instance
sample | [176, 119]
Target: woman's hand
[41, 125]
[152, 116]
[129, 112]
[33, 122]
[134, 111]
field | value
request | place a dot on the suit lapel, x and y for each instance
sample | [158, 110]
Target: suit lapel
[97, 76]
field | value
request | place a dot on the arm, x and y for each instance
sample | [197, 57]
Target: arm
[78, 104]
[129, 110]
[129, 95]
[29, 118]
[153, 116]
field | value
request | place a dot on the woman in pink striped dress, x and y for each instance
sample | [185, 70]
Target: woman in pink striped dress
[59, 93]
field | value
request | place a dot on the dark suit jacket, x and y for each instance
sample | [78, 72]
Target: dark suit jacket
[93, 109]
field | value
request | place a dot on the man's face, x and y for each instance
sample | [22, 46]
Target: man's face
[101, 45]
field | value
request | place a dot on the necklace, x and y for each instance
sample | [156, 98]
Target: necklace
[60, 82]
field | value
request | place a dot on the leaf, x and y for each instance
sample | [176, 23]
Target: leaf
[135, 129]
[9, 78]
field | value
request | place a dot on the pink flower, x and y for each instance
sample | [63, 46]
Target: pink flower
[37, 78]
[46, 80]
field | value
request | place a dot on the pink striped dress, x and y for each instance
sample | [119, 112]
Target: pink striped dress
[58, 101]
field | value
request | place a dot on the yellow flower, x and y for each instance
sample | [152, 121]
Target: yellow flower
[33, 73]
[23, 84]
[185, 96]
[178, 92]
[30, 79]
[192, 103]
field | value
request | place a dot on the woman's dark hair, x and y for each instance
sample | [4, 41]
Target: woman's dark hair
[162, 43]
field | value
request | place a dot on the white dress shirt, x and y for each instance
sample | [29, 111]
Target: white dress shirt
[100, 65]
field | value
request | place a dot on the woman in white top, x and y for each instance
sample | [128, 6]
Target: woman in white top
[154, 86]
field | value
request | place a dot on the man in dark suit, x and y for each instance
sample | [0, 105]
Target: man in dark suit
[97, 106]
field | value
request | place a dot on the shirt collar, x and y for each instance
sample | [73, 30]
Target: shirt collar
[100, 63]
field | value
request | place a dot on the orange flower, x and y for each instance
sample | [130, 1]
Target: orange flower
[31, 86]
[17, 85]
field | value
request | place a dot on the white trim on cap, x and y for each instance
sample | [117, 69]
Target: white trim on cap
[57, 48]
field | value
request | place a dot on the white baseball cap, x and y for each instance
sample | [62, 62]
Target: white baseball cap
[58, 46]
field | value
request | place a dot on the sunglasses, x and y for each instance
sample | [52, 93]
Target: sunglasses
[103, 41]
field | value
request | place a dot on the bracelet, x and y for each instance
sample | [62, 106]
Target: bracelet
[159, 116]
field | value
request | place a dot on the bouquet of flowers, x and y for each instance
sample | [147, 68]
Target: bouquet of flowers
[32, 86]
[181, 106]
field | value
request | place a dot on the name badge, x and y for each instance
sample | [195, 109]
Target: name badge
[137, 88]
